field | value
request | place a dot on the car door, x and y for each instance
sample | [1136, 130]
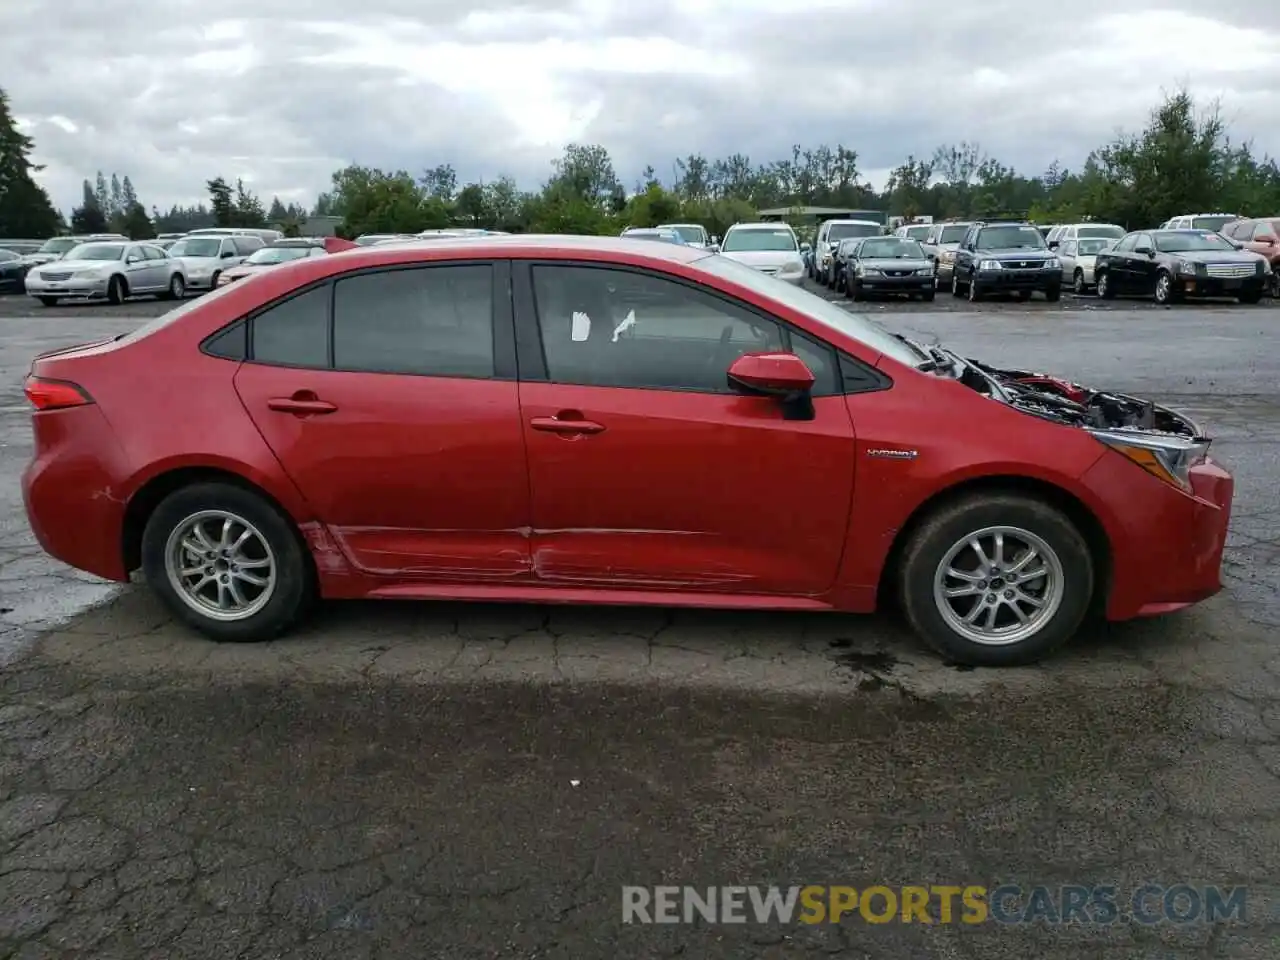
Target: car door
[158, 261]
[1143, 265]
[646, 470]
[1120, 274]
[1067, 258]
[390, 399]
[139, 272]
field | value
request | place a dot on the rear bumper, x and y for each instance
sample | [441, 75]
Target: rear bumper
[67, 489]
[1166, 545]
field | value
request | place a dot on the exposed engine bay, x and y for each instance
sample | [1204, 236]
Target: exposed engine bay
[1053, 398]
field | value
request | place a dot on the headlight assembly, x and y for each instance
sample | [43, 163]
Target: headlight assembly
[1168, 458]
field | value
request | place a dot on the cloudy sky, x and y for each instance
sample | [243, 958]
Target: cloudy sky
[174, 92]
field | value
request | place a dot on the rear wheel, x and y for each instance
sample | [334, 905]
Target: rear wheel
[996, 579]
[227, 563]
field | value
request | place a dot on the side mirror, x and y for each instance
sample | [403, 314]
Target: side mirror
[133, 258]
[782, 375]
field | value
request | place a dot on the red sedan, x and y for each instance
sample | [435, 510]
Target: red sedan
[590, 420]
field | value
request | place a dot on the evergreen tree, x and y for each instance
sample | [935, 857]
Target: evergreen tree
[88, 217]
[25, 209]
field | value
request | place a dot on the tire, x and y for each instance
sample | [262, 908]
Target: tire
[856, 291]
[1024, 296]
[271, 536]
[177, 288]
[116, 291]
[1103, 280]
[927, 296]
[213, 281]
[940, 543]
[1053, 294]
[1251, 298]
[1077, 283]
[1164, 295]
[974, 293]
[955, 285]
[48, 301]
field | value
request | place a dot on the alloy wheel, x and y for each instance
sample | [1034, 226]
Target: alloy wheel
[220, 565]
[999, 585]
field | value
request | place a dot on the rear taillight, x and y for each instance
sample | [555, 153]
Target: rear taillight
[55, 394]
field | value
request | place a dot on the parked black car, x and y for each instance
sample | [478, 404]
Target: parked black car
[13, 272]
[1171, 264]
[878, 266]
[1005, 256]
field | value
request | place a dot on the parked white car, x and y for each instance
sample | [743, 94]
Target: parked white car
[694, 234]
[771, 248]
[111, 271]
[1078, 257]
[204, 257]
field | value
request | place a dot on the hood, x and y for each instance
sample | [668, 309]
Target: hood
[40, 258]
[244, 269]
[1064, 401]
[772, 259]
[73, 266]
[1031, 256]
[897, 263]
[1218, 256]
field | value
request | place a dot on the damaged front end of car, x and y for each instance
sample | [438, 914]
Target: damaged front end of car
[1161, 441]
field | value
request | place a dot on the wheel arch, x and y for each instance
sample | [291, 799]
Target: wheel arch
[144, 501]
[1075, 509]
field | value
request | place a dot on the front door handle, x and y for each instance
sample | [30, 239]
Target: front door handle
[568, 423]
[302, 403]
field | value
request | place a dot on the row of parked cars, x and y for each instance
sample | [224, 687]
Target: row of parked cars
[111, 267]
[1197, 255]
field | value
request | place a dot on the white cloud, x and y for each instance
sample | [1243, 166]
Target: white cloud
[284, 97]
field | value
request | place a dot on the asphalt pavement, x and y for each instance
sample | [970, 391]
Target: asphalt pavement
[441, 781]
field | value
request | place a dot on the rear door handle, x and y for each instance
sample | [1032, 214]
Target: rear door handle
[568, 422]
[302, 405]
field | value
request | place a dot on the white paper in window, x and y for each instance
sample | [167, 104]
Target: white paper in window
[581, 327]
[626, 324]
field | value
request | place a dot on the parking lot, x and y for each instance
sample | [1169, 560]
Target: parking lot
[435, 780]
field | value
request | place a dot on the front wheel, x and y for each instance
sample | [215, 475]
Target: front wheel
[116, 291]
[996, 580]
[1077, 283]
[974, 293]
[856, 291]
[177, 288]
[955, 285]
[1053, 294]
[1164, 293]
[1105, 290]
[927, 296]
[1254, 296]
[227, 563]
[48, 301]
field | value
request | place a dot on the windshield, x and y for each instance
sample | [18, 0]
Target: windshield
[96, 251]
[757, 238]
[1213, 223]
[1184, 241]
[891, 249]
[1089, 246]
[196, 247]
[278, 254]
[690, 234]
[1101, 230]
[843, 231]
[953, 234]
[918, 232]
[1011, 237]
[663, 236]
[59, 245]
[811, 305]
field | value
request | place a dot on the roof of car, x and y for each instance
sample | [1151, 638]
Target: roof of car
[762, 225]
[526, 244]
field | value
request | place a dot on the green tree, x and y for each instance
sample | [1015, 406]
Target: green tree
[88, 217]
[374, 201]
[652, 207]
[220, 199]
[25, 209]
[137, 225]
[472, 208]
[585, 173]
[247, 208]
